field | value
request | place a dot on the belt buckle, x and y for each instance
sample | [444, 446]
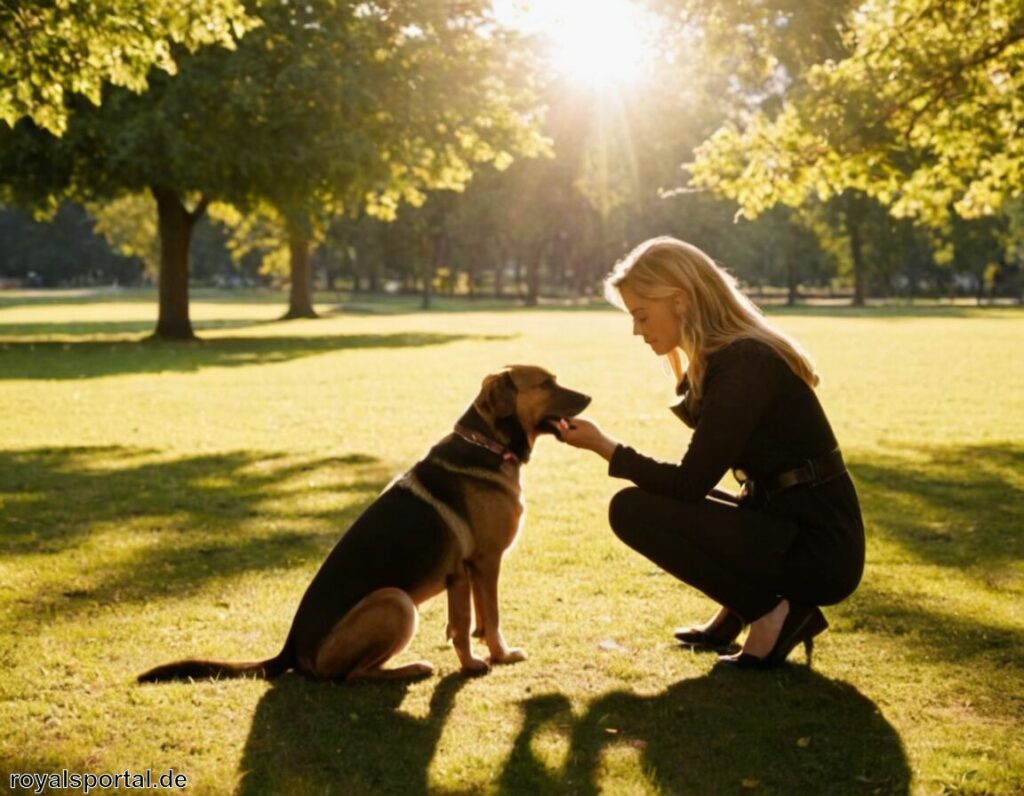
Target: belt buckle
[740, 475]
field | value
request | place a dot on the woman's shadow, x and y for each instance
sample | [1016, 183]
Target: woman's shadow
[787, 732]
[309, 737]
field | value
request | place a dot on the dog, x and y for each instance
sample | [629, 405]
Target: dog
[444, 525]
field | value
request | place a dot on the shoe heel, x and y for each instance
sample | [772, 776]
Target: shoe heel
[809, 650]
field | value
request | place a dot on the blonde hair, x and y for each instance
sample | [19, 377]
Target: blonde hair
[717, 312]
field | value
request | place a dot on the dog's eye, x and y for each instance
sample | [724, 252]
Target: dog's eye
[547, 384]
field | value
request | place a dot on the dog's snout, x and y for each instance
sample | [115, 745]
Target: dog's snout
[571, 403]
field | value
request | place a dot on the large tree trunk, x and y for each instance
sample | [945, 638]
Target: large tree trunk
[300, 292]
[176, 224]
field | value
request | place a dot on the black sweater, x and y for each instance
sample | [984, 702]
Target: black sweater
[756, 415]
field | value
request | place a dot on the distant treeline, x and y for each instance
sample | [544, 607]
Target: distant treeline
[774, 258]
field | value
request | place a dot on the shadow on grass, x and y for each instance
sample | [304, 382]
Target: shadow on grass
[309, 737]
[138, 529]
[899, 622]
[92, 359]
[785, 732]
[953, 506]
[87, 328]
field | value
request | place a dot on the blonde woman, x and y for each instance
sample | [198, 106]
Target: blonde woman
[793, 540]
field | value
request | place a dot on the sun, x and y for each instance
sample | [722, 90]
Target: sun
[600, 44]
[592, 43]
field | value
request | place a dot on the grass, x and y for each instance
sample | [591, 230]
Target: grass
[166, 500]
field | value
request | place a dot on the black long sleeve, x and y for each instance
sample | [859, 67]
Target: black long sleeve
[748, 391]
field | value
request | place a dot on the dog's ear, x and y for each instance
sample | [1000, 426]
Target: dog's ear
[497, 395]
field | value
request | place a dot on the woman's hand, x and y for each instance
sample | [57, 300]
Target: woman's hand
[586, 434]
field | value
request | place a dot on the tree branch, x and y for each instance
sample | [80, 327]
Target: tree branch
[199, 209]
[942, 88]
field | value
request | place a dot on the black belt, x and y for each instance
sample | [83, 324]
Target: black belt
[812, 471]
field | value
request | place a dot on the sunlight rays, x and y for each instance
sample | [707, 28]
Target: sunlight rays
[596, 45]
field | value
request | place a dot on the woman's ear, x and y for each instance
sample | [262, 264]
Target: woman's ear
[678, 305]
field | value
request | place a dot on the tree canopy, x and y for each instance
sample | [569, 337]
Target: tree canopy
[325, 107]
[327, 116]
[922, 110]
[53, 49]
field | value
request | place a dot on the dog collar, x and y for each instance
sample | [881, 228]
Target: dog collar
[476, 438]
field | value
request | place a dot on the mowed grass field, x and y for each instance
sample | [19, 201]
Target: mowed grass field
[159, 501]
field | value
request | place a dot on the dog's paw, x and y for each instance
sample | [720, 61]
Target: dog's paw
[509, 656]
[474, 667]
[420, 669]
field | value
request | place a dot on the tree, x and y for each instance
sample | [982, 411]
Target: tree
[616, 152]
[922, 112]
[325, 107]
[52, 50]
[378, 103]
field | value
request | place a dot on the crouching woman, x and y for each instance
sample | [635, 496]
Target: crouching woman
[794, 539]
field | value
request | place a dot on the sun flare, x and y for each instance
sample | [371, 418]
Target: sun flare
[594, 43]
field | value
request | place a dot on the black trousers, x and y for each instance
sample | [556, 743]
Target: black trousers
[743, 558]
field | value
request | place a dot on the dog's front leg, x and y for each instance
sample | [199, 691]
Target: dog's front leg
[485, 571]
[459, 616]
[478, 609]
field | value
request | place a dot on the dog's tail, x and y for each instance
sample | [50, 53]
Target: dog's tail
[195, 669]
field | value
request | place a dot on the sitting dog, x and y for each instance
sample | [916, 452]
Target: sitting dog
[443, 525]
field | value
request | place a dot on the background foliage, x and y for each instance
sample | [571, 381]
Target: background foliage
[412, 147]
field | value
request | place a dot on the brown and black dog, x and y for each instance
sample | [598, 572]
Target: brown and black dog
[443, 525]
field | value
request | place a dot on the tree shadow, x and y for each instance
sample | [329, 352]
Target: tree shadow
[92, 328]
[787, 731]
[313, 737]
[143, 528]
[956, 506]
[900, 623]
[93, 359]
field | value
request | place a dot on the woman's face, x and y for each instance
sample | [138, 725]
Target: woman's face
[658, 321]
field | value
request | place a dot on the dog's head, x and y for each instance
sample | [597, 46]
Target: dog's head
[524, 401]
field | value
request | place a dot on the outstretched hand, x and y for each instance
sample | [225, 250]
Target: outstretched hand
[582, 433]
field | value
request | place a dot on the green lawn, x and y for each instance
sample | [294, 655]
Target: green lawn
[159, 500]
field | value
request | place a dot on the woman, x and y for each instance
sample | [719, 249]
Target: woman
[794, 539]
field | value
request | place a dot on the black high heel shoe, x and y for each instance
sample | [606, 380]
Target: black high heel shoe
[718, 638]
[802, 624]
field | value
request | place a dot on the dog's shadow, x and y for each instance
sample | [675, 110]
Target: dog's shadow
[310, 737]
[792, 731]
[788, 732]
